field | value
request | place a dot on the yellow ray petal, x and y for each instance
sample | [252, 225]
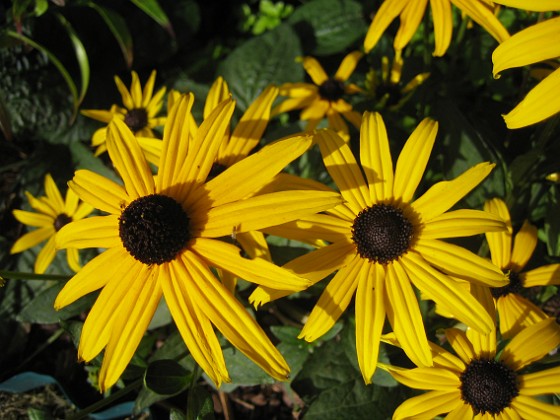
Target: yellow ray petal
[219, 92]
[370, 317]
[544, 382]
[193, 325]
[461, 344]
[344, 169]
[296, 102]
[151, 148]
[535, 6]
[523, 246]
[500, 243]
[254, 244]
[542, 276]
[71, 202]
[348, 65]
[154, 106]
[387, 12]
[45, 256]
[443, 195]
[411, 17]
[42, 205]
[463, 411]
[521, 350]
[413, 159]
[314, 70]
[53, 194]
[375, 156]
[429, 405]
[333, 301]
[484, 345]
[123, 90]
[93, 276]
[136, 91]
[405, 317]
[484, 296]
[130, 323]
[484, 15]
[446, 293]
[443, 25]
[259, 271]
[531, 408]
[30, 239]
[93, 232]
[460, 262]
[73, 259]
[540, 103]
[33, 219]
[315, 111]
[251, 173]
[266, 210]
[102, 115]
[100, 192]
[464, 222]
[148, 90]
[337, 124]
[129, 160]
[516, 313]
[425, 378]
[232, 319]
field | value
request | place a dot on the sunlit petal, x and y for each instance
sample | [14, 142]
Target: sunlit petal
[524, 245]
[429, 405]
[348, 65]
[314, 70]
[544, 382]
[98, 191]
[443, 25]
[483, 15]
[463, 222]
[30, 239]
[500, 243]
[461, 344]
[93, 232]
[387, 12]
[542, 276]
[516, 313]
[533, 409]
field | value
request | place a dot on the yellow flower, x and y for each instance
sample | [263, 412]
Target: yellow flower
[52, 213]
[381, 241]
[325, 96]
[515, 311]
[161, 239]
[481, 383]
[532, 45]
[411, 13]
[140, 112]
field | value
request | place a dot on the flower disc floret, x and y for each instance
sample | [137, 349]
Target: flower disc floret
[488, 386]
[515, 286]
[154, 228]
[382, 233]
[136, 119]
[61, 220]
[332, 89]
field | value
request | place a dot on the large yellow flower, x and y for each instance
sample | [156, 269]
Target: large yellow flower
[140, 112]
[381, 241]
[161, 236]
[481, 383]
[515, 311]
[411, 13]
[52, 213]
[325, 96]
[532, 45]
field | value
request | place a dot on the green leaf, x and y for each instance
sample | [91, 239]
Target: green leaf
[154, 10]
[328, 26]
[118, 28]
[84, 158]
[261, 61]
[200, 405]
[166, 377]
[243, 371]
[295, 350]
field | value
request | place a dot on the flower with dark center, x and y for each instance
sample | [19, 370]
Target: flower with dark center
[332, 89]
[515, 286]
[136, 119]
[488, 386]
[61, 220]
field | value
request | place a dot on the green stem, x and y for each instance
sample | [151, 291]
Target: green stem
[18, 275]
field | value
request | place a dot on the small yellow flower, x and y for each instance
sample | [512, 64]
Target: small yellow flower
[325, 96]
[481, 383]
[140, 111]
[52, 213]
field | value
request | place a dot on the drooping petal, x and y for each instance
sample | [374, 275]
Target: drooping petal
[258, 270]
[45, 256]
[446, 293]
[521, 350]
[73, 259]
[411, 17]
[93, 232]
[333, 301]
[30, 218]
[483, 15]
[375, 156]
[524, 245]
[387, 12]
[499, 242]
[98, 191]
[542, 276]
[464, 222]
[516, 313]
[445, 194]
[30, 239]
[461, 344]
[314, 70]
[443, 25]
[413, 159]
[370, 317]
[544, 382]
[426, 378]
[129, 160]
[429, 405]
[344, 169]
[533, 409]
[348, 65]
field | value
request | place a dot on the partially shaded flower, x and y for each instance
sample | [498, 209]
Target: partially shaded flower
[382, 242]
[481, 383]
[52, 213]
[325, 97]
[411, 13]
[162, 238]
[139, 111]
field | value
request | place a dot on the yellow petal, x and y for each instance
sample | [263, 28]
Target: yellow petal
[148, 90]
[73, 259]
[314, 70]
[464, 411]
[484, 345]
[151, 148]
[411, 17]
[544, 382]
[348, 65]
[542, 276]
[535, 6]
[254, 244]
[429, 405]
[100, 192]
[413, 159]
[333, 301]
[531, 408]
[443, 195]
[484, 15]
[461, 344]
[219, 92]
[45, 256]
[425, 378]
[125, 94]
[370, 317]
[344, 169]
[136, 91]
[404, 314]
[500, 243]
[523, 246]
[30, 239]
[42, 205]
[53, 194]
[98, 114]
[464, 222]
[93, 232]
[33, 219]
[387, 12]
[516, 313]
[375, 156]
[443, 25]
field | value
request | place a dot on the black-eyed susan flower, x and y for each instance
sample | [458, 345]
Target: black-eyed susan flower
[52, 212]
[481, 383]
[515, 311]
[160, 237]
[411, 13]
[325, 97]
[382, 242]
[532, 45]
[139, 111]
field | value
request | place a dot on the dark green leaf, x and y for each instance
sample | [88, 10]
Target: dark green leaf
[154, 10]
[166, 377]
[200, 405]
[243, 371]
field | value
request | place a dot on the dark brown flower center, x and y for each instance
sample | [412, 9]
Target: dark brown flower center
[331, 90]
[382, 233]
[154, 228]
[61, 220]
[136, 119]
[514, 286]
[488, 386]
